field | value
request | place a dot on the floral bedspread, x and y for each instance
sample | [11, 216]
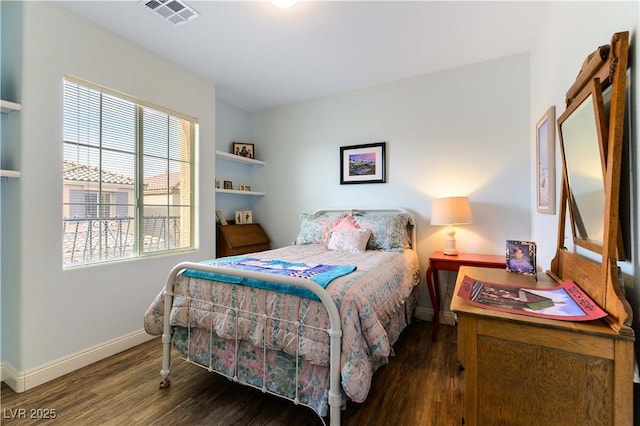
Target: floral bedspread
[368, 301]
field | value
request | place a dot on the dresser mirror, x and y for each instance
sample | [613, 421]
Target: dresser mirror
[582, 132]
[591, 144]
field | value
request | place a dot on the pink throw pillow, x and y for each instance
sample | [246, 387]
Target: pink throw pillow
[347, 223]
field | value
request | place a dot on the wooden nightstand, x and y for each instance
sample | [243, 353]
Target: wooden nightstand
[240, 239]
[439, 261]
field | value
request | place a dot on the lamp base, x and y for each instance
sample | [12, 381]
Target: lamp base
[450, 243]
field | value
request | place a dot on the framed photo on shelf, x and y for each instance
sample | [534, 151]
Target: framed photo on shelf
[247, 216]
[521, 257]
[228, 184]
[545, 162]
[363, 163]
[244, 217]
[243, 149]
[221, 217]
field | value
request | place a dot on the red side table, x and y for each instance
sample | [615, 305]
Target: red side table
[439, 261]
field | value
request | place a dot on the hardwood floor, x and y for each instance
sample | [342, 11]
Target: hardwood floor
[422, 385]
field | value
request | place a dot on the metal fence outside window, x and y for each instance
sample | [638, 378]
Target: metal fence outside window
[91, 239]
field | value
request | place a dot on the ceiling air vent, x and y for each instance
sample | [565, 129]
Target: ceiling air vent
[174, 11]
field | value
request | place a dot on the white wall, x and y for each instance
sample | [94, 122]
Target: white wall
[233, 125]
[9, 188]
[58, 312]
[460, 132]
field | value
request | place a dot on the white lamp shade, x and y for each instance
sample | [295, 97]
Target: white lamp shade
[451, 211]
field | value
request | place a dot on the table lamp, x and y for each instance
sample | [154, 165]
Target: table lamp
[451, 211]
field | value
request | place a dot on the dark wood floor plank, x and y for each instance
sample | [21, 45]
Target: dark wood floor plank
[422, 385]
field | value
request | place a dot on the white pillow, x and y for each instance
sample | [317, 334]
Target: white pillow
[353, 241]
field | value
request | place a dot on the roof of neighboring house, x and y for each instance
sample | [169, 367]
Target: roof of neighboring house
[163, 182]
[83, 173]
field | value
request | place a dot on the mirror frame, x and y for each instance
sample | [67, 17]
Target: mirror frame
[605, 68]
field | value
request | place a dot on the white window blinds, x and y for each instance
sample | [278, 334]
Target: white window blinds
[127, 176]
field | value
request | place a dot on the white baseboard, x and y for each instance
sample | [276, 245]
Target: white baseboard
[426, 314]
[21, 381]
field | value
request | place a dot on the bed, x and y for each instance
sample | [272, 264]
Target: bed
[310, 322]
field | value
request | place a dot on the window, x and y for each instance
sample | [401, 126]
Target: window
[127, 176]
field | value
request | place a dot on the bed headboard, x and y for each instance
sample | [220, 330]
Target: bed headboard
[363, 211]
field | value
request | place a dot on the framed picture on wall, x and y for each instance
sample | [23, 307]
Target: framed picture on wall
[545, 162]
[363, 163]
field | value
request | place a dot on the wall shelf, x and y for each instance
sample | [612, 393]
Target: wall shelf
[9, 173]
[238, 159]
[235, 191]
[7, 106]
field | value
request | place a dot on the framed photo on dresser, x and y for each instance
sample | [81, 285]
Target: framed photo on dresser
[521, 257]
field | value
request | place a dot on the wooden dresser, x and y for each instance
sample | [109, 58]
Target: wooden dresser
[521, 370]
[240, 239]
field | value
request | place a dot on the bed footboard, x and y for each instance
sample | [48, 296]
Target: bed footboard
[334, 331]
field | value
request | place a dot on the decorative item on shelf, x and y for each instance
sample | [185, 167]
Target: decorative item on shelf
[245, 188]
[218, 183]
[228, 184]
[247, 216]
[221, 217]
[521, 257]
[244, 217]
[244, 149]
[451, 211]
[363, 163]
[546, 164]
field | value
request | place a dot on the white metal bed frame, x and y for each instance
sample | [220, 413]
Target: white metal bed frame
[334, 331]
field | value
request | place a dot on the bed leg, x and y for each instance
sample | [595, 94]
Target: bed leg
[166, 361]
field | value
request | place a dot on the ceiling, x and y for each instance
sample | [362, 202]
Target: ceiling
[261, 56]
